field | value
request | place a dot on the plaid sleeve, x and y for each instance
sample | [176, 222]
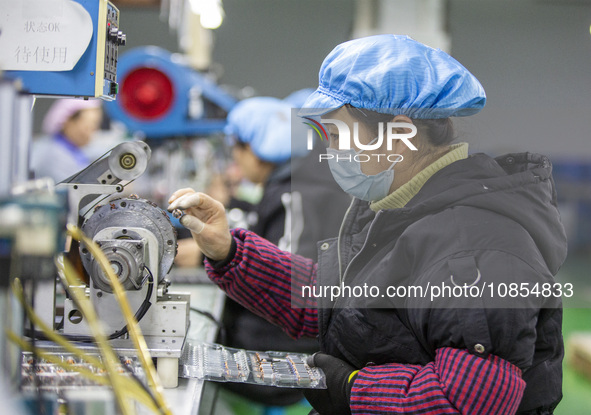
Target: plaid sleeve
[457, 382]
[260, 276]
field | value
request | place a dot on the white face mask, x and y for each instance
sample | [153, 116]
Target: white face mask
[353, 181]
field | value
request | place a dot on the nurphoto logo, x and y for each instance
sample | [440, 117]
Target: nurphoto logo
[344, 142]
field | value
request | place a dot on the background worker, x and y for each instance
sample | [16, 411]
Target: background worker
[259, 134]
[69, 126]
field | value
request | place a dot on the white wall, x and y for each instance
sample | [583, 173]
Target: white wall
[534, 61]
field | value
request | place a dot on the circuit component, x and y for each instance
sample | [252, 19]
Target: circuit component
[53, 377]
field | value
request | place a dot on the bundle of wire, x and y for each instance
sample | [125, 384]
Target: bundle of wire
[125, 388]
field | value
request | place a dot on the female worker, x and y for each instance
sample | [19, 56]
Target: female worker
[69, 125]
[421, 219]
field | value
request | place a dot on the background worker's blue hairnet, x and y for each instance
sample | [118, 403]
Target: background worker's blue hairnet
[297, 98]
[264, 123]
[395, 75]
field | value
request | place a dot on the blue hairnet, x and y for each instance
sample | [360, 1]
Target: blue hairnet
[264, 123]
[395, 75]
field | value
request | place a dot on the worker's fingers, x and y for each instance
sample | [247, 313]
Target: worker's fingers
[185, 201]
[310, 360]
[193, 224]
[198, 204]
[205, 217]
[180, 193]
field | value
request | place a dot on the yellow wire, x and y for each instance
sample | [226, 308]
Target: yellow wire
[17, 289]
[97, 331]
[133, 388]
[132, 324]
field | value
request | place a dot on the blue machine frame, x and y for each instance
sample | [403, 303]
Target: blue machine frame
[95, 73]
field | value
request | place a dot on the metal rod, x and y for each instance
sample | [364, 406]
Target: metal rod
[23, 136]
[7, 98]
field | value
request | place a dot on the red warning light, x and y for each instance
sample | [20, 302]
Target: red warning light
[146, 93]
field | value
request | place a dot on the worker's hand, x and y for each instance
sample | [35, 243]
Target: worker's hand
[206, 219]
[334, 400]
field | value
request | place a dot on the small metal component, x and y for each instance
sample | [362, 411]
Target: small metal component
[127, 161]
[178, 213]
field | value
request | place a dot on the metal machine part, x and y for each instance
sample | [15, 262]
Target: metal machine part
[124, 162]
[139, 241]
[127, 159]
[127, 260]
[105, 176]
[114, 228]
[178, 213]
[15, 135]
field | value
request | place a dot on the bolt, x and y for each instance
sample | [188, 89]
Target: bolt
[127, 161]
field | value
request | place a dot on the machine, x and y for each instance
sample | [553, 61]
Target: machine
[162, 97]
[38, 48]
[139, 241]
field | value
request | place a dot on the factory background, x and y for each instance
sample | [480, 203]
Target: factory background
[533, 58]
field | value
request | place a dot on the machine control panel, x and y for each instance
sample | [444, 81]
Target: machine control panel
[94, 74]
[113, 39]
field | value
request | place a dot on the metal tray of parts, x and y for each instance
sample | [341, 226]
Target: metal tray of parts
[224, 364]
